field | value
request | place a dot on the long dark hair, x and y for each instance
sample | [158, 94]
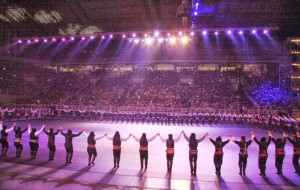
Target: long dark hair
[69, 132]
[117, 137]
[91, 136]
[143, 137]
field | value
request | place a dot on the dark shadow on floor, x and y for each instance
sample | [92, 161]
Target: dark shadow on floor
[287, 181]
[194, 182]
[71, 178]
[220, 183]
[105, 179]
[43, 176]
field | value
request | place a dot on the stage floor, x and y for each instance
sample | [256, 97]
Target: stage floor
[24, 173]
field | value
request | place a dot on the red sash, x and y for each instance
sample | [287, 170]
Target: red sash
[219, 151]
[279, 151]
[170, 151]
[297, 151]
[116, 147]
[263, 153]
[143, 148]
[91, 146]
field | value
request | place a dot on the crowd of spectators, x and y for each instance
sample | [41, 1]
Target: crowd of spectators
[264, 89]
[35, 85]
[105, 87]
[107, 91]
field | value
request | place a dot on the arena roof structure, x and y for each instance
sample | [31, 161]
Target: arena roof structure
[34, 18]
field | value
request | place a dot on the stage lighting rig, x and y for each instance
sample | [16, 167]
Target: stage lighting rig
[184, 11]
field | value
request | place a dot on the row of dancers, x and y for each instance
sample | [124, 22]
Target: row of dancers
[145, 117]
[143, 150]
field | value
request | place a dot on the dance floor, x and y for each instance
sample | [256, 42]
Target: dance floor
[24, 173]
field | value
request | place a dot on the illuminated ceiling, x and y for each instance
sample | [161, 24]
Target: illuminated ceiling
[28, 18]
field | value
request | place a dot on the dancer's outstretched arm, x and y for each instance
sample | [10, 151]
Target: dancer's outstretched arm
[201, 139]
[125, 139]
[186, 138]
[152, 138]
[136, 138]
[98, 138]
[178, 137]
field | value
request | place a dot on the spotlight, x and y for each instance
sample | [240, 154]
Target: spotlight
[28, 41]
[72, 38]
[172, 40]
[253, 31]
[53, 39]
[216, 33]
[92, 37]
[111, 36]
[145, 35]
[180, 33]
[229, 32]
[195, 13]
[63, 39]
[184, 39]
[148, 41]
[124, 36]
[192, 33]
[134, 35]
[19, 41]
[82, 38]
[204, 32]
[136, 41]
[241, 32]
[156, 33]
[45, 40]
[168, 34]
[103, 37]
[265, 31]
[36, 40]
[160, 40]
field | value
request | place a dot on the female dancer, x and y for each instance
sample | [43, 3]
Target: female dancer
[144, 148]
[69, 143]
[170, 142]
[218, 156]
[34, 140]
[117, 139]
[51, 142]
[91, 149]
[193, 153]
[18, 140]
